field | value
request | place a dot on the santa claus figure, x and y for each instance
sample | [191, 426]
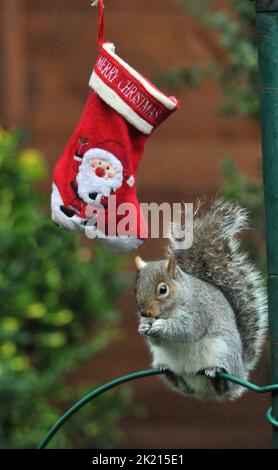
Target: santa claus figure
[96, 174]
[100, 173]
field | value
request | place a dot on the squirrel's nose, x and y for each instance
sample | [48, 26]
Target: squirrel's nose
[147, 313]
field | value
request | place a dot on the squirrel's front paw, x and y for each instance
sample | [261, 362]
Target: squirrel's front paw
[157, 328]
[144, 328]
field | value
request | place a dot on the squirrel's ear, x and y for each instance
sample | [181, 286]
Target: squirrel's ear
[139, 263]
[171, 266]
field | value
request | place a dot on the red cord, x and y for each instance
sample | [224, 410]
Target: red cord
[100, 23]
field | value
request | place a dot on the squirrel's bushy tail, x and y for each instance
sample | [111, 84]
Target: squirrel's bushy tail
[216, 257]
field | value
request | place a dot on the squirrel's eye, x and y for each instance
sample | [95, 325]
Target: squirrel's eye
[163, 290]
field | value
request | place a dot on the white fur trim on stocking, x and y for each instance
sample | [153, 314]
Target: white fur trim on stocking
[169, 103]
[113, 99]
[118, 244]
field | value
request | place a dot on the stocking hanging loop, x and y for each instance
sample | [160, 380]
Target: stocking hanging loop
[99, 3]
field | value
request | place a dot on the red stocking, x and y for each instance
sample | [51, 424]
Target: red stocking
[94, 181]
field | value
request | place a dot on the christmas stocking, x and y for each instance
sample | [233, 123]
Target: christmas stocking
[94, 181]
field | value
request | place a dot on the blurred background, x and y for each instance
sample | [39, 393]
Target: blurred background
[67, 321]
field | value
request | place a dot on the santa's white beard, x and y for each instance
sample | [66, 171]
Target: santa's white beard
[88, 182]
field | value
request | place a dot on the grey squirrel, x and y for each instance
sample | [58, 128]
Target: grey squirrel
[203, 309]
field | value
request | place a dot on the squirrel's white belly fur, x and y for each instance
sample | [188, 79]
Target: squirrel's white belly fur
[188, 359]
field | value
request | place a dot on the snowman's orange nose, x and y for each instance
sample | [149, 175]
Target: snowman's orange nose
[100, 172]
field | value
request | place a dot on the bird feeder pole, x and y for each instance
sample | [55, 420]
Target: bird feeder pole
[267, 27]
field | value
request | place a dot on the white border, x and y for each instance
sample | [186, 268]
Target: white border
[112, 99]
[167, 102]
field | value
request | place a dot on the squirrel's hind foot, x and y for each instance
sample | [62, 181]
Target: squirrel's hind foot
[220, 386]
[211, 372]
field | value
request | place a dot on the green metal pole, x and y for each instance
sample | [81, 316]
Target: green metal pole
[267, 26]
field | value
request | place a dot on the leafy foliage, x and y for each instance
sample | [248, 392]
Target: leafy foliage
[234, 25]
[56, 311]
[237, 72]
[248, 192]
